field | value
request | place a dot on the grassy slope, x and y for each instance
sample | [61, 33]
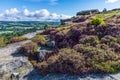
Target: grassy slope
[107, 15]
[104, 16]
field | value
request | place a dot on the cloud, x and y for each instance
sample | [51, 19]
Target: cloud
[14, 14]
[26, 12]
[53, 2]
[1, 15]
[12, 11]
[111, 1]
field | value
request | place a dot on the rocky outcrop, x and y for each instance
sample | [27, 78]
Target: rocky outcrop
[12, 62]
[88, 12]
[51, 44]
[44, 53]
[19, 66]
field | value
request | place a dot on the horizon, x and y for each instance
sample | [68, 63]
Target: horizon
[49, 10]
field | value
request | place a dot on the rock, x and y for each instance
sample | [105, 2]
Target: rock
[15, 76]
[42, 54]
[51, 44]
[11, 66]
[15, 67]
[47, 37]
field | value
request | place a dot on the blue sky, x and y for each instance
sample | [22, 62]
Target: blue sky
[42, 10]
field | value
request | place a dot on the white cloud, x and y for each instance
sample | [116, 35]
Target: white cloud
[41, 13]
[26, 12]
[54, 16]
[12, 11]
[64, 16]
[1, 15]
[111, 1]
[53, 2]
[38, 15]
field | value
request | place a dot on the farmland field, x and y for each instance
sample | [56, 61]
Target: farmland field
[5, 32]
[8, 27]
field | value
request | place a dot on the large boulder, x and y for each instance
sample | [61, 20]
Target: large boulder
[11, 66]
[51, 44]
[41, 55]
[20, 66]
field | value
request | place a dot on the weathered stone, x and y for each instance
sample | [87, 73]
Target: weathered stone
[51, 44]
[42, 54]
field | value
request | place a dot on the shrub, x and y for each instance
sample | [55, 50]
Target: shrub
[108, 40]
[89, 40]
[102, 46]
[2, 41]
[46, 26]
[29, 48]
[43, 68]
[97, 21]
[80, 60]
[99, 60]
[16, 39]
[73, 61]
[97, 52]
[67, 61]
[107, 67]
[39, 39]
[118, 40]
[116, 47]
[113, 31]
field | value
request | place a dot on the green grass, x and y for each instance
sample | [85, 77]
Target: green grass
[5, 32]
[107, 14]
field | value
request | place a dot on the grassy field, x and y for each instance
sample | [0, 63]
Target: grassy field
[5, 32]
[107, 15]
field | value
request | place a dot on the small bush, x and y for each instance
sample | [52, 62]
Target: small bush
[29, 48]
[116, 47]
[46, 26]
[108, 40]
[16, 39]
[39, 39]
[89, 40]
[99, 60]
[102, 46]
[67, 61]
[118, 40]
[107, 67]
[97, 21]
[81, 59]
[2, 42]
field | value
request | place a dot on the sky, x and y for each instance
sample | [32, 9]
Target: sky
[49, 10]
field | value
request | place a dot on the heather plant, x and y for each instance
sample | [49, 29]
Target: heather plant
[81, 59]
[67, 61]
[83, 49]
[39, 39]
[99, 60]
[116, 47]
[29, 48]
[103, 46]
[89, 40]
[16, 39]
[106, 67]
[108, 40]
[2, 41]
[118, 40]
[113, 31]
